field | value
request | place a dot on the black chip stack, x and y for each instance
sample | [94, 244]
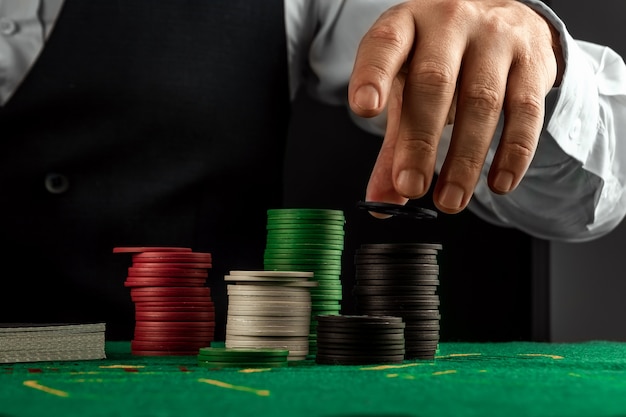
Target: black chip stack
[401, 279]
[359, 340]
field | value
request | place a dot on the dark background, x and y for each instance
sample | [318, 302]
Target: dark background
[588, 279]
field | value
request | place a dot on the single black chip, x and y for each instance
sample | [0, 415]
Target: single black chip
[398, 210]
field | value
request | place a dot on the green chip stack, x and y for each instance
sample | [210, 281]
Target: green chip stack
[217, 357]
[311, 240]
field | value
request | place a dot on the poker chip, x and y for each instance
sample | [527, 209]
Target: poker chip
[139, 307]
[167, 272]
[140, 249]
[163, 282]
[413, 212]
[174, 312]
[195, 325]
[401, 279]
[168, 333]
[288, 244]
[309, 240]
[194, 340]
[242, 357]
[174, 315]
[391, 248]
[359, 340]
[159, 299]
[375, 290]
[171, 292]
[272, 282]
[181, 304]
[268, 307]
[273, 274]
[162, 352]
[177, 264]
[156, 256]
[167, 346]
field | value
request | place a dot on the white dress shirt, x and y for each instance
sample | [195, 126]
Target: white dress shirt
[575, 188]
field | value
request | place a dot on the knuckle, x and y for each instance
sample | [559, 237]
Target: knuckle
[519, 148]
[526, 107]
[419, 143]
[384, 34]
[493, 25]
[457, 10]
[482, 97]
[432, 77]
[525, 56]
[469, 163]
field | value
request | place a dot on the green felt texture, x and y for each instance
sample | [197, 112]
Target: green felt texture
[503, 380]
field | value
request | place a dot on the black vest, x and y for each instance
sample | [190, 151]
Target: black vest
[141, 123]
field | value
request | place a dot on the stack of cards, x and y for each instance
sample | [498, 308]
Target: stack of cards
[25, 342]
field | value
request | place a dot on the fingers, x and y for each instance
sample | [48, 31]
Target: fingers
[428, 99]
[466, 63]
[481, 93]
[381, 186]
[380, 57]
[524, 112]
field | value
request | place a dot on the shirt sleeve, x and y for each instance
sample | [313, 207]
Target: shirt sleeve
[323, 37]
[575, 188]
[24, 27]
[21, 40]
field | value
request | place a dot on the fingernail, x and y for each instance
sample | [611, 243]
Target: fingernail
[451, 196]
[503, 182]
[366, 97]
[411, 183]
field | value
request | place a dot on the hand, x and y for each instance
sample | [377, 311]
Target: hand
[435, 62]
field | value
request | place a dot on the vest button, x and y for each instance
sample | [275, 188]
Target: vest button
[56, 183]
[7, 26]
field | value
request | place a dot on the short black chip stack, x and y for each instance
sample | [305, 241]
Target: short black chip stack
[401, 279]
[359, 340]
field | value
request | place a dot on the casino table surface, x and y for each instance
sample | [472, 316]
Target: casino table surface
[465, 379]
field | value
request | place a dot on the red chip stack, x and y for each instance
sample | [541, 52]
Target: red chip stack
[174, 312]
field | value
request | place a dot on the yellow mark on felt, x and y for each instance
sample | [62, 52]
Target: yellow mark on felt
[253, 370]
[576, 375]
[458, 355]
[121, 366]
[451, 371]
[555, 357]
[403, 376]
[37, 385]
[384, 367]
[259, 392]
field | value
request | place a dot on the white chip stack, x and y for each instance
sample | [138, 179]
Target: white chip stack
[269, 309]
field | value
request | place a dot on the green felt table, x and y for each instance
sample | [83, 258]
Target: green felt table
[465, 379]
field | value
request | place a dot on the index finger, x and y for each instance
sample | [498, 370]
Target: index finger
[383, 50]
